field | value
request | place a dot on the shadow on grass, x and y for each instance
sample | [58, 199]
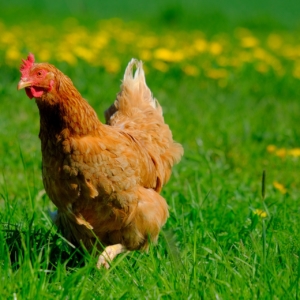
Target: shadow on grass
[40, 246]
[46, 249]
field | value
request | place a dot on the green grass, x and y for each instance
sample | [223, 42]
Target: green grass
[213, 246]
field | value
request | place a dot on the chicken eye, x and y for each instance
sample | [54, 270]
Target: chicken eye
[39, 73]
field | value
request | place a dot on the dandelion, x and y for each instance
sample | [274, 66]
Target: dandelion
[67, 57]
[282, 152]
[145, 55]
[280, 187]
[217, 73]
[294, 152]
[13, 54]
[168, 55]
[44, 54]
[191, 70]
[7, 37]
[249, 42]
[186, 50]
[296, 71]
[112, 64]
[262, 67]
[84, 53]
[260, 54]
[261, 213]
[161, 66]
[200, 45]
[271, 148]
[215, 48]
[100, 41]
[148, 42]
[290, 52]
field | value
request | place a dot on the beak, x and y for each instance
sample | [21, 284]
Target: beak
[22, 84]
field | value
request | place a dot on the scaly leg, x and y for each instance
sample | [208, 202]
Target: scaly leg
[109, 254]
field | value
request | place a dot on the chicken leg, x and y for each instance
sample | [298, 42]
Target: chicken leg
[109, 254]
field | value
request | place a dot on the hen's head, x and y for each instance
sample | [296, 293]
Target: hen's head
[36, 78]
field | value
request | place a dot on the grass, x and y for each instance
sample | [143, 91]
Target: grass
[224, 239]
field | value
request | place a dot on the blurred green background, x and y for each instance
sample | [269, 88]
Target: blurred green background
[173, 12]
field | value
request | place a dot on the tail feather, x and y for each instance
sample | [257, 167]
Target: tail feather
[137, 81]
[139, 114]
[138, 94]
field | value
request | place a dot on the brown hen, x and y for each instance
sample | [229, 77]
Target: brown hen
[104, 179]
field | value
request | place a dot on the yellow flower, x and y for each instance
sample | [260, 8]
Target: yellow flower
[262, 67]
[261, 213]
[249, 42]
[168, 55]
[44, 54]
[215, 48]
[271, 148]
[294, 152]
[290, 52]
[296, 71]
[282, 152]
[200, 45]
[100, 40]
[7, 37]
[260, 54]
[111, 64]
[84, 53]
[72, 42]
[280, 187]
[217, 73]
[191, 70]
[145, 55]
[161, 66]
[148, 42]
[12, 54]
[67, 57]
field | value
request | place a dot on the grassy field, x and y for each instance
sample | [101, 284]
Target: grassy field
[228, 81]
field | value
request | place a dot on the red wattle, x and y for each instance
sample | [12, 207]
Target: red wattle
[34, 92]
[37, 92]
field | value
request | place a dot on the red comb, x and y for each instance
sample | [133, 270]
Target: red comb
[27, 64]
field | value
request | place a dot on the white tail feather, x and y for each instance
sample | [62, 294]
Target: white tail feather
[134, 93]
[138, 81]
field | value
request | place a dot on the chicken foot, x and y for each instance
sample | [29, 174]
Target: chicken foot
[109, 254]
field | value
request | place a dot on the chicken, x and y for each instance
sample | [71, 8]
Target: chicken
[105, 179]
